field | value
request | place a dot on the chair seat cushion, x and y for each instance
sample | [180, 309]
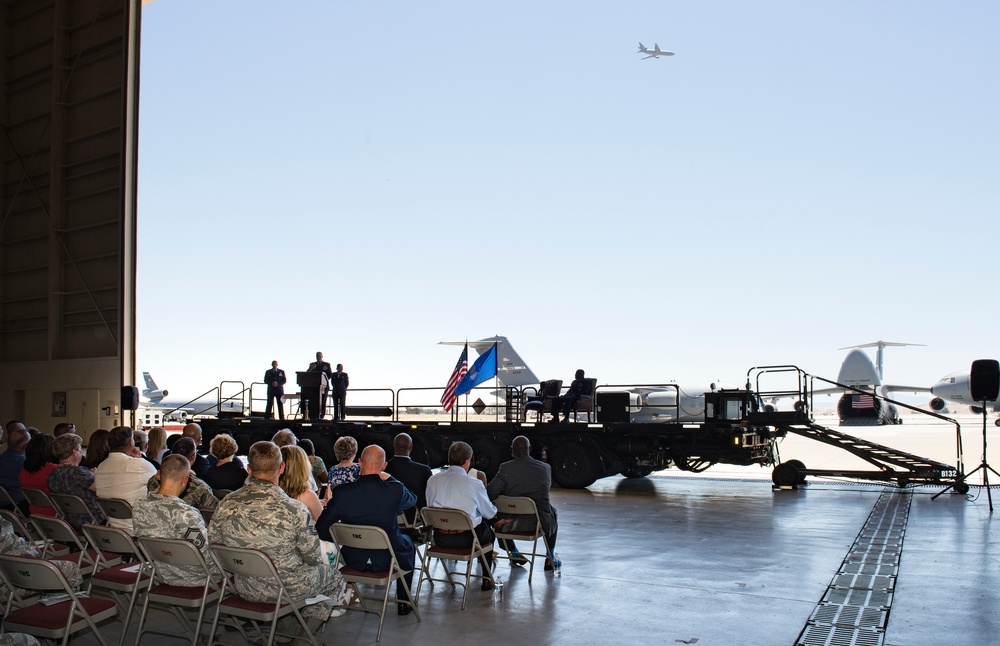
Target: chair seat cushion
[175, 592]
[56, 616]
[119, 576]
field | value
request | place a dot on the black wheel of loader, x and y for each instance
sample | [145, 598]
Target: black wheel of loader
[800, 465]
[574, 466]
[786, 474]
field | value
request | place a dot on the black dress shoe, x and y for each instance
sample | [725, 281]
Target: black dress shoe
[518, 560]
[403, 609]
[487, 585]
[548, 565]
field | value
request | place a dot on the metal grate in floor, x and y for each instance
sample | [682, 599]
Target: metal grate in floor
[855, 608]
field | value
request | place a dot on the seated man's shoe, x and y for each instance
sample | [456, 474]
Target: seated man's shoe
[403, 609]
[518, 560]
[548, 565]
[487, 585]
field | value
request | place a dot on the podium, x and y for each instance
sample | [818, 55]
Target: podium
[312, 385]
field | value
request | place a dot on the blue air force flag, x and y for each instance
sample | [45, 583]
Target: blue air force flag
[484, 368]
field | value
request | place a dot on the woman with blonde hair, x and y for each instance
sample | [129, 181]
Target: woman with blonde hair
[295, 480]
[157, 443]
[345, 449]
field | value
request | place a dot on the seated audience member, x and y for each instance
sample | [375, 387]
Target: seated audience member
[285, 437]
[375, 498]
[38, 464]
[295, 480]
[123, 474]
[319, 470]
[200, 464]
[165, 515]
[228, 473]
[141, 440]
[345, 449]
[455, 489]
[157, 447]
[14, 545]
[97, 449]
[262, 516]
[413, 475]
[195, 493]
[62, 428]
[11, 462]
[71, 478]
[524, 476]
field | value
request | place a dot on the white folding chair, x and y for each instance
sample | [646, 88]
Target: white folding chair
[176, 598]
[369, 537]
[249, 562]
[526, 513]
[22, 574]
[124, 581]
[454, 520]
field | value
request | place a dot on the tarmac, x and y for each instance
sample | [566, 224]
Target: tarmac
[725, 561]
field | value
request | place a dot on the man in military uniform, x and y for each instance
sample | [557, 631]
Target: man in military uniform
[262, 516]
[339, 381]
[164, 515]
[318, 408]
[275, 380]
[196, 492]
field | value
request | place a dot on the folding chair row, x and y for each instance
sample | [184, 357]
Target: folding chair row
[455, 520]
[123, 581]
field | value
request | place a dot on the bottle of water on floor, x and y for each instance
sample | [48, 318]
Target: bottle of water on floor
[556, 564]
[499, 588]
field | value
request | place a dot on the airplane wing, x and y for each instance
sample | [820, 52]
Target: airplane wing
[916, 390]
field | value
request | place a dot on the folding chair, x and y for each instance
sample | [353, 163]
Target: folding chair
[176, 598]
[70, 504]
[221, 493]
[116, 508]
[249, 562]
[7, 499]
[41, 499]
[454, 520]
[526, 509]
[123, 581]
[58, 530]
[369, 537]
[55, 621]
[420, 541]
[46, 548]
[206, 514]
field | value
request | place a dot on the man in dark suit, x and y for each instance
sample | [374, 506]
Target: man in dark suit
[413, 475]
[375, 498]
[339, 383]
[525, 476]
[320, 366]
[275, 380]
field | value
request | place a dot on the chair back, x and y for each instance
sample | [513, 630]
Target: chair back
[446, 518]
[26, 573]
[365, 537]
[529, 526]
[19, 528]
[71, 504]
[549, 388]
[116, 508]
[516, 506]
[110, 539]
[245, 561]
[5, 497]
[38, 498]
[221, 493]
[57, 530]
[171, 551]
[207, 514]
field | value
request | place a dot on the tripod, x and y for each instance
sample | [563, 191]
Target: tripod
[983, 466]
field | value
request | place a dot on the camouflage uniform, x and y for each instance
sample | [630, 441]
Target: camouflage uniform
[18, 639]
[161, 516]
[262, 516]
[197, 493]
[14, 545]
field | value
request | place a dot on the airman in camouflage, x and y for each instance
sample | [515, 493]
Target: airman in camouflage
[11, 543]
[197, 493]
[165, 515]
[262, 516]
[18, 639]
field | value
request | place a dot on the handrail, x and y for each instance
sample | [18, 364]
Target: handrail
[199, 397]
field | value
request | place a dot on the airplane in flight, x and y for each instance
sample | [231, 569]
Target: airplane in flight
[656, 52]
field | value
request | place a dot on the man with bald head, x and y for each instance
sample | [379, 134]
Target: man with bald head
[413, 475]
[200, 466]
[375, 498]
[525, 476]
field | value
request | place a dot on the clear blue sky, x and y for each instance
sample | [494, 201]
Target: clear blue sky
[370, 178]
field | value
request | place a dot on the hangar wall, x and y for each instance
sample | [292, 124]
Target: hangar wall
[68, 144]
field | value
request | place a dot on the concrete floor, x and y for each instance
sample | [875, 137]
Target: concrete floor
[712, 561]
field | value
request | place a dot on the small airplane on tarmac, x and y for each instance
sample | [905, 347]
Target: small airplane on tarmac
[656, 52]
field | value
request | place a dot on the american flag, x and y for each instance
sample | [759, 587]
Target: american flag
[462, 367]
[862, 401]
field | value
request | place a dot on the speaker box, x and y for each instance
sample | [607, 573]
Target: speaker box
[984, 380]
[130, 397]
[612, 407]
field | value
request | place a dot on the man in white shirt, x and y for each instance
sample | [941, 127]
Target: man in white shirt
[455, 488]
[124, 473]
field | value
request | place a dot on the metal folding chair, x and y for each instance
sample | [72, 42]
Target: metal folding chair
[58, 530]
[6, 498]
[369, 537]
[526, 509]
[70, 504]
[46, 549]
[249, 562]
[39, 498]
[176, 598]
[221, 493]
[48, 621]
[454, 520]
[116, 509]
[124, 581]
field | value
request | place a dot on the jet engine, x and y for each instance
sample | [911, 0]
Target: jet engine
[937, 404]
